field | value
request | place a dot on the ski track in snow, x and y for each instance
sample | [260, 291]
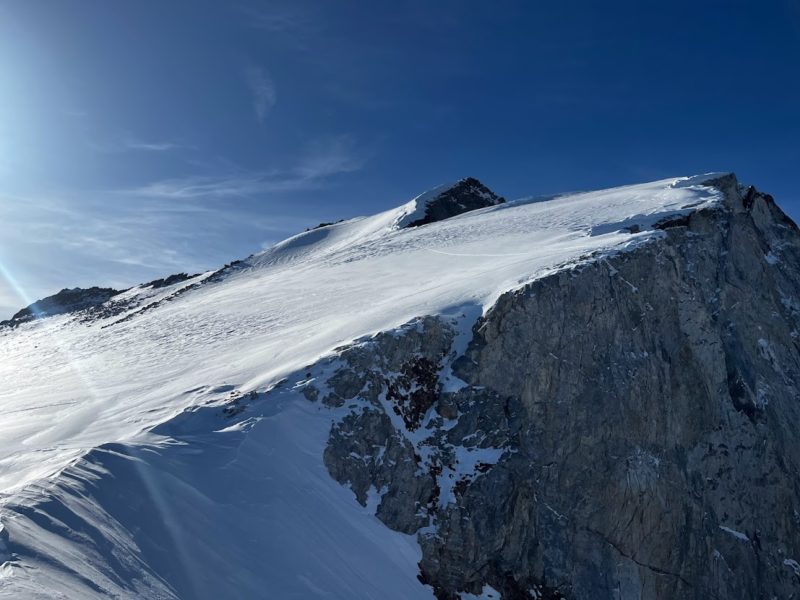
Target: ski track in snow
[76, 388]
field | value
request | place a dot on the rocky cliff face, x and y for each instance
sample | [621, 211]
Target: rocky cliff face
[626, 428]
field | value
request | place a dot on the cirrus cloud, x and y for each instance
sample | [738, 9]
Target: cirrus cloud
[263, 91]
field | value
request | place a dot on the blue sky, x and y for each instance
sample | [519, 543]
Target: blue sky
[141, 138]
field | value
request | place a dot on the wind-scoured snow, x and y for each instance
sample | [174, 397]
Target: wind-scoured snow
[99, 405]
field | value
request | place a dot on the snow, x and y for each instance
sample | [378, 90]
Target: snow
[88, 404]
[793, 565]
[226, 506]
[737, 534]
[487, 593]
[466, 466]
[462, 322]
[694, 180]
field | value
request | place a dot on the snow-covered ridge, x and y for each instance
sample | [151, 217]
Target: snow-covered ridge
[71, 387]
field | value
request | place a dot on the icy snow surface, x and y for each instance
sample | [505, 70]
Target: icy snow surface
[188, 504]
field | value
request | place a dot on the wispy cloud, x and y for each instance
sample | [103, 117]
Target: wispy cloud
[128, 143]
[82, 239]
[321, 159]
[263, 90]
[288, 19]
[330, 156]
[123, 236]
[289, 26]
[133, 144]
[209, 186]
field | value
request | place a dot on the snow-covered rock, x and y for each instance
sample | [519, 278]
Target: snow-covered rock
[534, 399]
[64, 302]
[450, 200]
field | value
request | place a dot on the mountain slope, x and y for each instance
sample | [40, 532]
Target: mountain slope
[175, 442]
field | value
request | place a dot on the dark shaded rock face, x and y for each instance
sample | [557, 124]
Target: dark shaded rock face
[65, 301]
[388, 376]
[167, 281]
[414, 390]
[628, 428]
[324, 224]
[466, 195]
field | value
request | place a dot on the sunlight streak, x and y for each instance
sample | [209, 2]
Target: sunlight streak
[14, 285]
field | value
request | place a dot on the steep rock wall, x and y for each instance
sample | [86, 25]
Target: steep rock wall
[643, 412]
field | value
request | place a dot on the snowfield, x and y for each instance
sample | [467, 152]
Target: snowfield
[119, 474]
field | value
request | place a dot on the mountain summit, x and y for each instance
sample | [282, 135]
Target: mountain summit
[590, 397]
[447, 201]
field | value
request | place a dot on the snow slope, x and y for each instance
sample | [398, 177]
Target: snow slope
[117, 474]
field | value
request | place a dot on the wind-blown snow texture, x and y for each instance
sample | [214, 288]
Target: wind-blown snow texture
[121, 475]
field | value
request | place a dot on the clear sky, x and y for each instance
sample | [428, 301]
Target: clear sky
[144, 137]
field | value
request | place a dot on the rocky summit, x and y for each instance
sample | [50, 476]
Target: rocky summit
[589, 397]
[448, 201]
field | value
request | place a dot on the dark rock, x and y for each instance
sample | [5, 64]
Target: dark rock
[324, 224]
[364, 451]
[466, 195]
[680, 221]
[167, 281]
[447, 408]
[414, 391]
[64, 302]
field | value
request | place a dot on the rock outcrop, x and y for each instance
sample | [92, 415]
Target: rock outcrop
[627, 428]
[466, 195]
[168, 281]
[66, 301]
